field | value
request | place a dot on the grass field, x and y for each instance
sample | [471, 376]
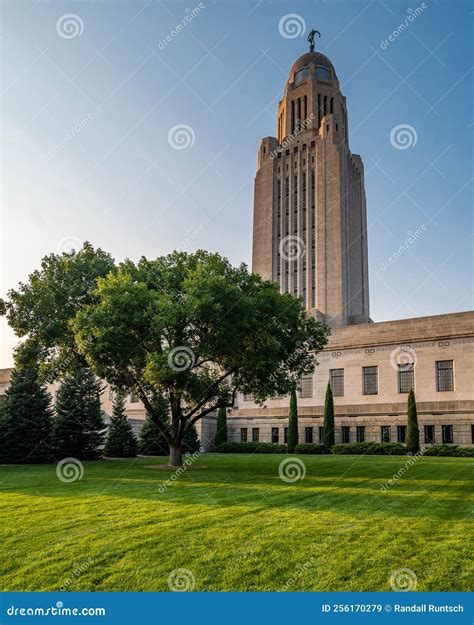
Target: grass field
[235, 525]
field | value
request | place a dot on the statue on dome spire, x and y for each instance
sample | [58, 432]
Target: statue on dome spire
[311, 39]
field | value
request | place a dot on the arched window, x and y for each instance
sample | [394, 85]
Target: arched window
[322, 73]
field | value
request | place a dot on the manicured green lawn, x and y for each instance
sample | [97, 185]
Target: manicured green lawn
[237, 526]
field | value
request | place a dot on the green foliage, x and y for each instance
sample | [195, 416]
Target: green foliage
[121, 441]
[152, 441]
[251, 448]
[413, 432]
[293, 422]
[191, 442]
[78, 425]
[311, 448]
[46, 304]
[26, 416]
[371, 448]
[328, 423]
[449, 450]
[221, 427]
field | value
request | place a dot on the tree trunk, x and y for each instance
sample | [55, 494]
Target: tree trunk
[176, 455]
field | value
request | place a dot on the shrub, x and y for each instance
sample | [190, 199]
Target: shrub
[251, 448]
[371, 448]
[449, 450]
[310, 448]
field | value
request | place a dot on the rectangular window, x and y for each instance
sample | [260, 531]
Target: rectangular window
[320, 434]
[255, 435]
[243, 435]
[406, 378]
[447, 431]
[308, 435]
[401, 433]
[306, 386]
[360, 433]
[385, 433]
[370, 381]
[134, 399]
[444, 375]
[346, 434]
[275, 435]
[285, 435]
[429, 434]
[336, 379]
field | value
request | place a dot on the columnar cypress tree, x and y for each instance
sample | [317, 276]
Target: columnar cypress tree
[191, 442]
[293, 422]
[328, 424]
[78, 426]
[221, 428]
[26, 418]
[121, 441]
[413, 432]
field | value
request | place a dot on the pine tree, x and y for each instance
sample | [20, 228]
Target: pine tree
[78, 425]
[121, 441]
[328, 424]
[221, 428]
[293, 422]
[26, 416]
[151, 440]
[191, 442]
[413, 432]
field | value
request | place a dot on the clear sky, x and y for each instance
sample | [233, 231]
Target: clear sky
[91, 90]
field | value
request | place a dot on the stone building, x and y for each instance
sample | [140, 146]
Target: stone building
[310, 237]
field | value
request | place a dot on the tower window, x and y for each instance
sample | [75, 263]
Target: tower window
[322, 73]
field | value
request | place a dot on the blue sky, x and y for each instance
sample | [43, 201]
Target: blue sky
[90, 94]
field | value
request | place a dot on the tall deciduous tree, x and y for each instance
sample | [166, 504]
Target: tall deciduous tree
[293, 422]
[413, 432]
[79, 428]
[26, 417]
[328, 425]
[221, 426]
[121, 441]
[187, 326]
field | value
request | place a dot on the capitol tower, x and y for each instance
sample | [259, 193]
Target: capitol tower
[310, 223]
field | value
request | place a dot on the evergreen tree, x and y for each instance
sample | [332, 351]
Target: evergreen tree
[328, 424]
[151, 440]
[26, 415]
[78, 425]
[191, 442]
[413, 432]
[221, 428]
[121, 441]
[293, 422]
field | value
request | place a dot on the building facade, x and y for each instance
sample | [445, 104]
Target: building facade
[310, 237]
